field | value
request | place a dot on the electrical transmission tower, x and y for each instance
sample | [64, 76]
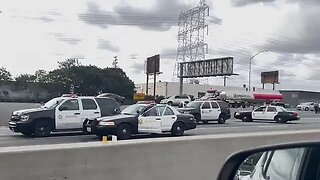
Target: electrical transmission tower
[115, 62]
[191, 35]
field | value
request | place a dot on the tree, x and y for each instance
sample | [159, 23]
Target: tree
[89, 80]
[5, 75]
[41, 76]
[70, 62]
[26, 78]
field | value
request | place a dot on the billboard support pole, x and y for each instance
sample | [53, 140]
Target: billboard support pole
[154, 85]
[262, 85]
[181, 80]
[147, 85]
[224, 80]
[273, 86]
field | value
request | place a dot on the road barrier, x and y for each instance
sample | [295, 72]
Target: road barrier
[181, 158]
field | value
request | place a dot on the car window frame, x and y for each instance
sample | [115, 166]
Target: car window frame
[276, 110]
[154, 107]
[62, 104]
[90, 100]
[259, 108]
[204, 103]
[167, 107]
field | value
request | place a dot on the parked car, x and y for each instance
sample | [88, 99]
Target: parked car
[66, 113]
[142, 118]
[308, 106]
[209, 110]
[176, 100]
[285, 161]
[117, 97]
[272, 113]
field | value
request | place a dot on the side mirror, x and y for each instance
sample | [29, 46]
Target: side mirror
[41, 103]
[250, 164]
[63, 108]
[138, 112]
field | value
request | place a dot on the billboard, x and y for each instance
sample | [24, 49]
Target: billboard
[270, 77]
[153, 65]
[207, 68]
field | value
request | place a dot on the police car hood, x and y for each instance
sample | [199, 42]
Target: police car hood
[26, 111]
[115, 117]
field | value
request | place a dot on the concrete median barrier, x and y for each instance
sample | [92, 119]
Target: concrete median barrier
[184, 158]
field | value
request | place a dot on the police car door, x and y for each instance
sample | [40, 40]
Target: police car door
[205, 110]
[271, 113]
[150, 121]
[68, 115]
[259, 113]
[167, 119]
[90, 109]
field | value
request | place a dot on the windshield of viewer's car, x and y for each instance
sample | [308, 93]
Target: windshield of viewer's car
[133, 109]
[52, 103]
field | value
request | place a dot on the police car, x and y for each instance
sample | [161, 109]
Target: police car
[62, 113]
[143, 118]
[273, 113]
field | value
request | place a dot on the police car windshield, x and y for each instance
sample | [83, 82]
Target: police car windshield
[52, 103]
[283, 109]
[133, 109]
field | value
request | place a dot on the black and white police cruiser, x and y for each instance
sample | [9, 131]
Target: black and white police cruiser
[66, 113]
[273, 113]
[143, 118]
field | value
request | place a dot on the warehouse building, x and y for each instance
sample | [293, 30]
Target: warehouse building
[295, 97]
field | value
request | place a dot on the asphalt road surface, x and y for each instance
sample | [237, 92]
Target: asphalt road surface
[309, 120]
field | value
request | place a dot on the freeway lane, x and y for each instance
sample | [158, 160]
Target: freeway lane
[310, 121]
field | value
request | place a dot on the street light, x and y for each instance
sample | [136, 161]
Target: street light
[250, 66]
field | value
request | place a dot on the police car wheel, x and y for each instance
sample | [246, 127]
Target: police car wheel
[280, 119]
[221, 119]
[42, 129]
[177, 129]
[246, 119]
[124, 131]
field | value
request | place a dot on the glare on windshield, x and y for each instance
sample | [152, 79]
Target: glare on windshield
[133, 109]
[52, 103]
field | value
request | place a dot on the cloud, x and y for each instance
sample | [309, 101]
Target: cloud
[160, 17]
[46, 19]
[106, 45]
[240, 3]
[138, 68]
[169, 53]
[69, 40]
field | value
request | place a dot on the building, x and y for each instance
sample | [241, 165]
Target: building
[295, 97]
[167, 89]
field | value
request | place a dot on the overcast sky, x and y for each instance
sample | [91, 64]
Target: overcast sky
[35, 34]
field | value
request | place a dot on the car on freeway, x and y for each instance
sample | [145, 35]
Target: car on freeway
[143, 118]
[308, 106]
[273, 113]
[65, 113]
[208, 110]
[290, 161]
[176, 100]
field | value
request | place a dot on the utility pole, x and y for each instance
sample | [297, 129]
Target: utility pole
[115, 62]
[250, 61]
